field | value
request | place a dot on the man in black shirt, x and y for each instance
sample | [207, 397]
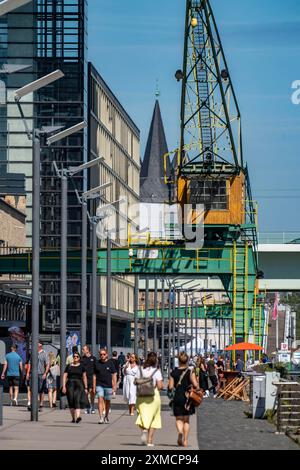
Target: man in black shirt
[105, 383]
[89, 361]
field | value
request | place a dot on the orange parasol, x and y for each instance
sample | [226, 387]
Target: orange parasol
[244, 347]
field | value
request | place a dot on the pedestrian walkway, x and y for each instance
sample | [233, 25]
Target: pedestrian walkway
[54, 431]
[222, 425]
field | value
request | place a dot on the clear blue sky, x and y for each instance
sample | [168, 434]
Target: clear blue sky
[132, 43]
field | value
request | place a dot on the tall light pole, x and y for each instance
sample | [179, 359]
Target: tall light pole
[101, 214]
[108, 294]
[169, 332]
[205, 331]
[185, 322]
[163, 326]
[146, 317]
[178, 318]
[34, 136]
[71, 171]
[63, 175]
[136, 314]
[196, 326]
[155, 316]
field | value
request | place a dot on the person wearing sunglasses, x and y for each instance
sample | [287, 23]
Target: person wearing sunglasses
[105, 383]
[75, 387]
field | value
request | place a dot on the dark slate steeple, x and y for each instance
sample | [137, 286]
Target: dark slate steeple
[153, 188]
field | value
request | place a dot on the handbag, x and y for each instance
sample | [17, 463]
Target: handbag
[144, 385]
[194, 396]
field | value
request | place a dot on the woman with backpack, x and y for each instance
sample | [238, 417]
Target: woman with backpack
[180, 381]
[149, 381]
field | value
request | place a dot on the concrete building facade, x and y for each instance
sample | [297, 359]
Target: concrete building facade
[115, 137]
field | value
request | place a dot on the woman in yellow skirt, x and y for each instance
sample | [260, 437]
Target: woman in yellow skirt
[148, 408]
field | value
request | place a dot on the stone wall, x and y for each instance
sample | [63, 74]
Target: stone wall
[12, 224]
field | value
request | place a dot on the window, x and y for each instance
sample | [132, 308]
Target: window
[211, 193]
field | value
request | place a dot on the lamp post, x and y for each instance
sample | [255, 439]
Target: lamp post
[108, 295]
[155, 316]
[146, 318]
[185, 322]
[174, 324]
[34, 136]
[196, 326]
[162, 325]
[101, 214]
[63, 175]
[178, 319]
[169, 332]
[205, 331]
[136, 314]
[192, 326]
[70, 172]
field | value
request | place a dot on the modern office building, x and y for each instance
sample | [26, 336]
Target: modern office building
[37, 39]
[43, 36]
[116, 138]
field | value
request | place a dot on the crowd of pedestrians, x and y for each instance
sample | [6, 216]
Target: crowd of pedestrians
[88, 379]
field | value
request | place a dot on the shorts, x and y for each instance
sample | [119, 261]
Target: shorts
[51, 384]
[103, 392]
[42, 388]
[13, 380]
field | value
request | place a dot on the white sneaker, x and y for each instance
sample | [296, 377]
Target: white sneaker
[144, 438]
[106, 420]
[15, 402]
[101, 420]
[216, 395]
[150, 445]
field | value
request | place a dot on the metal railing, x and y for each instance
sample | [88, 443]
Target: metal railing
[278, 237]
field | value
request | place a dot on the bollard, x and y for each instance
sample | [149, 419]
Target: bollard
[1, 405]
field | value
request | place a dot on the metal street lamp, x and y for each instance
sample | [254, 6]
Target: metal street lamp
[9, 5]
[63, 175]
[34, 136]
[94, 221]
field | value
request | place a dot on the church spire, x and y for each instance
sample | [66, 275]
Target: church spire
[153, 187]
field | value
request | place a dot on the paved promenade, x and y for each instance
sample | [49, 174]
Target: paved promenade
[220, 425]
[55, 431]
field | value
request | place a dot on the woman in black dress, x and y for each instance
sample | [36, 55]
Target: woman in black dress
[180, 381]
[75, 387]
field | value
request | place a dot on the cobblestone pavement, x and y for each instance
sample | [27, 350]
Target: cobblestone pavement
[222, 425]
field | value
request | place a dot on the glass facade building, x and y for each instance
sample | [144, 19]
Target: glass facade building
[46, 35]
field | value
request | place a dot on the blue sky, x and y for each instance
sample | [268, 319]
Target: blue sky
[134, 43]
